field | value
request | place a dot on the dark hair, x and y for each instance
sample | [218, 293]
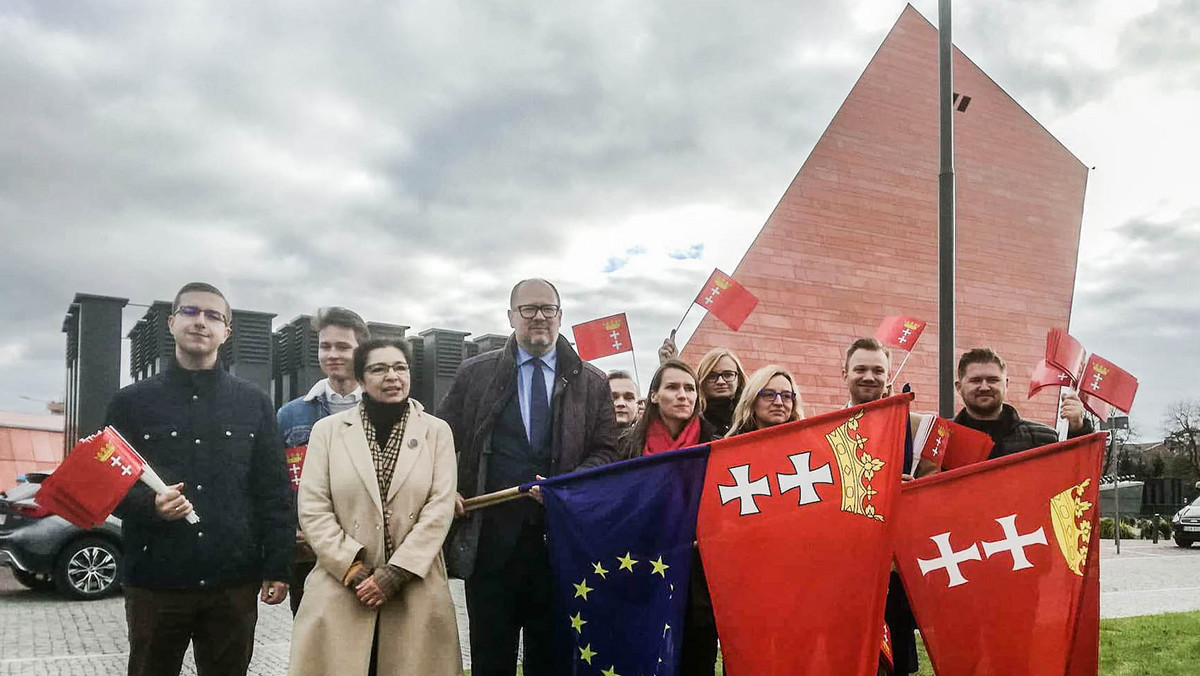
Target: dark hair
[346, 319]
[201, 287]
[632, 442]
[512, 296]
[364, 350]
[871, 344]
[618, 374]
[979, 355]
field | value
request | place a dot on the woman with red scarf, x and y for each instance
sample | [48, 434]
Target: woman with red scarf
[673, 421]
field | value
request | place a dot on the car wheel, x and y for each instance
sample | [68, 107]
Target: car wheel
[1181, 542]
[32, 581]
[88, 568]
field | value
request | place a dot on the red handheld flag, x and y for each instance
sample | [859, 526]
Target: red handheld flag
[900, 332]
[1064, 353]
[967, 446]
[1095, 406]
[795, 535]
[1002, 581]
[1047, 375]
[294, 457]
[93, 479]
[602, 337]
[937, 442]
[1108, 382]
[726, 299]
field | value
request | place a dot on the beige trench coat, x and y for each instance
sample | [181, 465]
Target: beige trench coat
[341, 513]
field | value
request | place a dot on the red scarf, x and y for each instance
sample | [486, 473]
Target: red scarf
[658, 437]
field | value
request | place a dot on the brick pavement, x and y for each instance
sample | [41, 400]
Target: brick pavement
[42, 634]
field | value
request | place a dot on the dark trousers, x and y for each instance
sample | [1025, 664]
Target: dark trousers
[300, 571]
[902, 625]
[698, 654]
[218, 622]
[504, 597]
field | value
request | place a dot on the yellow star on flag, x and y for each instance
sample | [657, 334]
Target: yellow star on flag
[577, 622]
[582, 589]
[586, 653]
[627, 562]
[611, 671]
[659, 567]
[598, 569]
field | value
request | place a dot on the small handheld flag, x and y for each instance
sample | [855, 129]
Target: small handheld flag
[1108, 382]
[1064, 353]
[602, 337]
[729, 301]
[900, 332]
[1047, 375]
[93, 479]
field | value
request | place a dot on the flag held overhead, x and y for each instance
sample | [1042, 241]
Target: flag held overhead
[1108, 382]
[729, 301]
[602, 337]
[900, 332]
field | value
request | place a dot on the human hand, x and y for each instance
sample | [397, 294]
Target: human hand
[273, 593]
[1071, 410]
[668, 350]
[370, 593]
[535, 492]
[460, 506]
[172, 506]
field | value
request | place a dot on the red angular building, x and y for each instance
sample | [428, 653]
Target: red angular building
[854, 238]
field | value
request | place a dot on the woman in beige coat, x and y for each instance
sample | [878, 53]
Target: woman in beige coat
[376, 500]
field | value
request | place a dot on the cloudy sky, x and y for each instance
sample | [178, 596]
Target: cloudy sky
[412, 159]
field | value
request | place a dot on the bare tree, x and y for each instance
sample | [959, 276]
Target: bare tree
[1182, 422]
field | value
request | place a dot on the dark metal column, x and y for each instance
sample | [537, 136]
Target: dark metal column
[946, 226]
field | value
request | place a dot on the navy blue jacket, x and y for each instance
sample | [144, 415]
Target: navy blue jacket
[215, 433]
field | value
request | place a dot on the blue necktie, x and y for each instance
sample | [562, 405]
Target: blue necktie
[539, 407]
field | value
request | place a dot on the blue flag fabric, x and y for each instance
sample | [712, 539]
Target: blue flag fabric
[621, 541]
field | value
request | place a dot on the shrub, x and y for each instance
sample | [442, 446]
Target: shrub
[1106, 527]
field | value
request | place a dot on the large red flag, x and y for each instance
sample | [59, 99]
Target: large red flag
[795, 530]
[89, 484]
[900, 332]
[1108, 382]
[602, 337]
[1064, 353]
[1047, 375]
[726, 299]
[997, 560]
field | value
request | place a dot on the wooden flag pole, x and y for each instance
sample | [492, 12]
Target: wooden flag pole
[494, 498]
[902, 363]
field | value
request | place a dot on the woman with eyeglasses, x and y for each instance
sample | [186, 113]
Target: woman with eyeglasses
[722, 380]
[375, 502]
[672, 421]
[770, 399]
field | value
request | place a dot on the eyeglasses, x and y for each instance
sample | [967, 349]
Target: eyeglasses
[193, 311]
[727, 376]
[381, 370]
[786, 396]
[531, 311]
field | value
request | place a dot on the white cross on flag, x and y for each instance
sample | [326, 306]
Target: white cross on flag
[1000, 562]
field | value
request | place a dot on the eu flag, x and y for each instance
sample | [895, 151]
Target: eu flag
[620, 539]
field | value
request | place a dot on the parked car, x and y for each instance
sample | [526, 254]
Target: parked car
[1186, 524]
[47, 552]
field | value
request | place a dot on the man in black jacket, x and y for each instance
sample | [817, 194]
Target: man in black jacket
[213, 437]
[983, 383]
[530, 409]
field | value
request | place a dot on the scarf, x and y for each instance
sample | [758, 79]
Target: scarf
[658, 438]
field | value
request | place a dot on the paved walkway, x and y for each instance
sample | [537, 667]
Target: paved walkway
[42, 634]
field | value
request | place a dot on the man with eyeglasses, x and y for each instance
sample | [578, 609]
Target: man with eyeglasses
[212, 437]
[528, 410]
[339, 331]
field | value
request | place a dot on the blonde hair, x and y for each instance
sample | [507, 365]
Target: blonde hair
[743, 414]
[708, 364]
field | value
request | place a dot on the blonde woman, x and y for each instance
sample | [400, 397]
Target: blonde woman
[770, 398]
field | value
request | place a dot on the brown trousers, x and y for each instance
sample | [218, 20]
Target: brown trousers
[219, 623]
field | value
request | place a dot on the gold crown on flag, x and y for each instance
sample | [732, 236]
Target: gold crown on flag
[1100, 368]
[722, 282]
[911, 325]
[612, 324]
[1072, 529]
[943, 431]
[857, 468]
[106, 451]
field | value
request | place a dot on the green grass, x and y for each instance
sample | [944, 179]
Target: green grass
[1164, 645]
